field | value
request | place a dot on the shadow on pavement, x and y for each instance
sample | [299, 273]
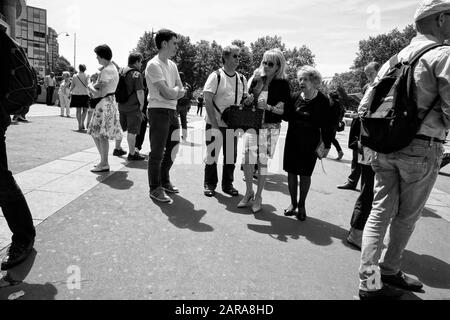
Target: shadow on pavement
[430, 213]
[17, 275]
[231, 203]
[432, 271]
[182, 214]
[283, 228]
[119, 180]
[277, 183]
[138, 164]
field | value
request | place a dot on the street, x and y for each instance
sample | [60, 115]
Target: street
[102, 237]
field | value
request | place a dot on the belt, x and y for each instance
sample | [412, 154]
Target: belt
[427, 138]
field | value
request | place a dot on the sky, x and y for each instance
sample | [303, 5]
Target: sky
[332, 29]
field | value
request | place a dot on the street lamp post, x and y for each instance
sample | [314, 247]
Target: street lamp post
[74, 46]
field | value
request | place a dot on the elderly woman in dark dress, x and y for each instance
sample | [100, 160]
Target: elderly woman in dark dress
[308, 115]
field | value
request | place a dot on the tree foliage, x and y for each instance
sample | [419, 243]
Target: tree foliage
[380, 49]
[62, 64]
[198, 61]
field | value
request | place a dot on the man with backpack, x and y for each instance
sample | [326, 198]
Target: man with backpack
[130, 96]
[12, 201]
[223, 88]
[405, 176]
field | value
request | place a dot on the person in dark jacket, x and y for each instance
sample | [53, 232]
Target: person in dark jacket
[12, 201]
[308, 117]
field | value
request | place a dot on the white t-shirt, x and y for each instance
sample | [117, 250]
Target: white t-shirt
[156, 71]
[110, 76]
[226, 93]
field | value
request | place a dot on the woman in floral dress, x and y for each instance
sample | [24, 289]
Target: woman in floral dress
[105, 124]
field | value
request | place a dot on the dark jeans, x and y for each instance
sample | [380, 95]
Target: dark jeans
[12, 201]
[363, 205]
[356, 169]
[229, 144]
[49, 97]
[141, 135]
[163, 144]
[335, 142]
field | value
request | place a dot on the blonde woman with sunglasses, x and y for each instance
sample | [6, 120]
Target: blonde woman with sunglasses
[269, 91]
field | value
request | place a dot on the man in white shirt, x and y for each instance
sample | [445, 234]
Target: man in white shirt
[219, 96]
[165, 88]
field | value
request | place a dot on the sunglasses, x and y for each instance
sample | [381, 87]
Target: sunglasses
[270, 64]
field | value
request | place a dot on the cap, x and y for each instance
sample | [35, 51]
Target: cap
[429, 7]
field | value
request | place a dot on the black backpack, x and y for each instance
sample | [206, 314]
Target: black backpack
[122, 94]
[21, 86]
[391, 121]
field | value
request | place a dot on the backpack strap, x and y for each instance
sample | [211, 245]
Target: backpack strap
[217, 89]
[412, 63]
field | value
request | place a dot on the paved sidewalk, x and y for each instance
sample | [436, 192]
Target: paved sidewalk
[101, 237]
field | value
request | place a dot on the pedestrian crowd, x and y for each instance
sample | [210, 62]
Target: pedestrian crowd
[395, 186]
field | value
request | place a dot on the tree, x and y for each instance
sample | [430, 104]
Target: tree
[296, 58]
[350, 81]
[62, 64]
[382, 47]
[246, 61]
[208, 58]
[185, 60]
[262, 45]
[147, 47]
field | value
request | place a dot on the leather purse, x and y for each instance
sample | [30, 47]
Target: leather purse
[321, 150]
[242, 117]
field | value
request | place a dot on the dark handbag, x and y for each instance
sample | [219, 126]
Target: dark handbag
[240, 117]
[341, 126]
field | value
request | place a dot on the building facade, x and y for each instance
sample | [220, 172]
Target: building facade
[52, 49]
[31, 34]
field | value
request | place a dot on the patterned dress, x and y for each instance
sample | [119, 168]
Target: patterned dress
[105, 121]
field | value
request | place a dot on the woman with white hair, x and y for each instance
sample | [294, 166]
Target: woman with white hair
[308, 116]
[269, 91]
[64, 94]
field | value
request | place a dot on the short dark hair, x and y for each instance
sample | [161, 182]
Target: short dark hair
[82, 68]
[104, 52]
[134, 57]
[164, 35]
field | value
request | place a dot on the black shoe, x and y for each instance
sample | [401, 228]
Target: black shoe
[209, 192]
[301, 215]
[231, 191]
[386, 293]
[135, 157]
[16, 254]
[170, 189]
[290, 212]
[401, 280]
[119, 152]
[347, 186]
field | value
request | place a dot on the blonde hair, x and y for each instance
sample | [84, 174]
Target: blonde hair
[312, 73]
[277, 57]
